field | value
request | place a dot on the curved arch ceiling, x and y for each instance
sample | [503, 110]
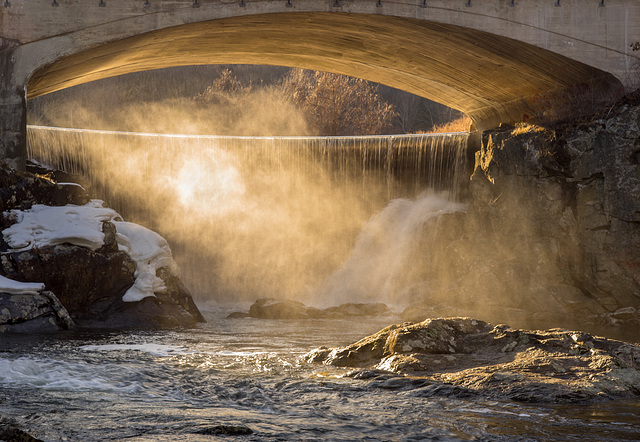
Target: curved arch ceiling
[493, 79]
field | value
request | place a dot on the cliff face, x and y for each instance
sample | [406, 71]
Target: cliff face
[552, 232]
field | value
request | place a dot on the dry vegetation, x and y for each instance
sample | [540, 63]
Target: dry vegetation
[462, 124]
[523, 128]
[338, 104]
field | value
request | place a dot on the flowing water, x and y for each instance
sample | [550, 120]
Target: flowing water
[247, 373]
[258, 217]
[177, 385]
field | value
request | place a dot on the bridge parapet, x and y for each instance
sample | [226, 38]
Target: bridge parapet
[596, 32]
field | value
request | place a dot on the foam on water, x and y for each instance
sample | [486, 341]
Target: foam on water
[61, 375]
[153, 349]
[240, 353]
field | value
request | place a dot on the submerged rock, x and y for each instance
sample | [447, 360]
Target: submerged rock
[534, 366]
[269, 308]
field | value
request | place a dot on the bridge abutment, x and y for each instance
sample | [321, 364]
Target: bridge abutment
[13, 114]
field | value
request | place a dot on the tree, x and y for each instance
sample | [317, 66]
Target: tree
[337, 104]
[226, 90]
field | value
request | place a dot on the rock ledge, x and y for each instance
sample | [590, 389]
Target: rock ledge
[551, 366]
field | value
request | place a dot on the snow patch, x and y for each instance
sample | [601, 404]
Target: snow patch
[43, 226]
[71, 184]
[150, 251]
[19, 288]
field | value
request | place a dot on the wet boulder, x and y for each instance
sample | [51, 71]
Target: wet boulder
[497, 361]
[269, 308]
[433, 336]
[33, 313]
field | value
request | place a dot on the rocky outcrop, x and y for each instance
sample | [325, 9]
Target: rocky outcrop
[551, 236]
[28, 313]
[21, 190]
[16, 435]
[496, 361]
[269, 308]
[89, 283]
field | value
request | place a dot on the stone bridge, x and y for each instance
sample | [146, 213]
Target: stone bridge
[495, 60]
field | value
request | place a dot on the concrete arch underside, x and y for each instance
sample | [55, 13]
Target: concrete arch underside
[491, 78]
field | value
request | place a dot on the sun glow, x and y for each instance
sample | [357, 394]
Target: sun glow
[211, 187]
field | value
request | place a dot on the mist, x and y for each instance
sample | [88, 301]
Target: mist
[247, 218]
[329, 220]
[261, 113]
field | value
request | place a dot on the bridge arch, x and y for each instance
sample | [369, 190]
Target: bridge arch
[496, 60]
[491, 78]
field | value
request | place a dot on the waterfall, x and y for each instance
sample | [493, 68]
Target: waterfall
[245, 214]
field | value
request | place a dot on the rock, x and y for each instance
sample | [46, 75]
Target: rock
[21, 190]
[238, 315]
[33, 313]
[89, 283]
[57, 176]
[91, 286]
[16, 435]
[627, 313]
[227, 430]
[535, 366]
[574, 195]
[551, 236]
[357, 309]
[269, 308]
[86, 282]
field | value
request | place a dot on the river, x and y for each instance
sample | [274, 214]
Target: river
[247, 374]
